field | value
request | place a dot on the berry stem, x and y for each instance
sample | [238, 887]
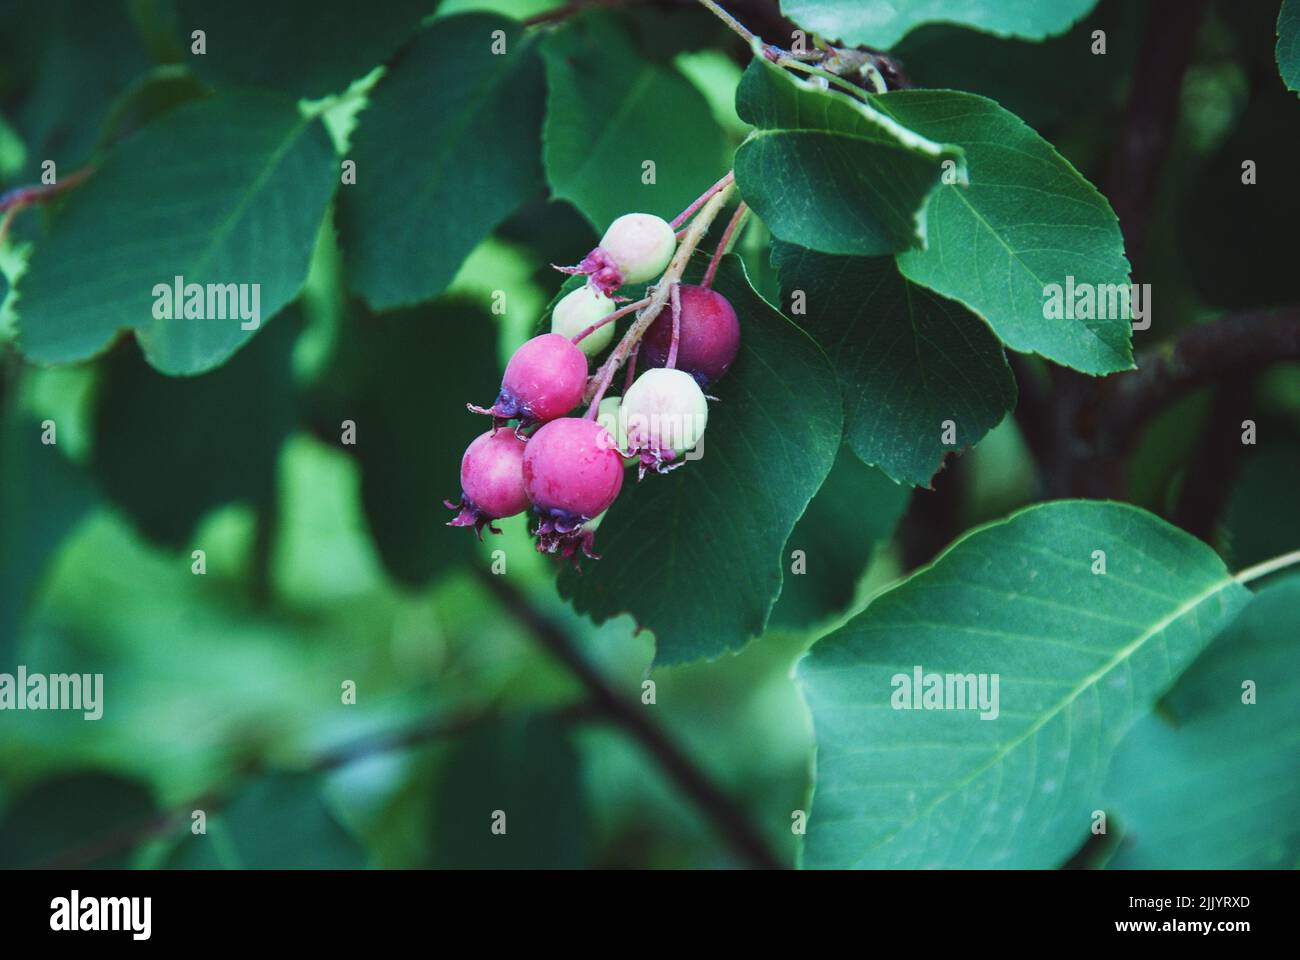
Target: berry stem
[21, 198]
[729, 235]
[677, 326]
[631, 367]
[702, 199]
[661, 291]
[610, 318]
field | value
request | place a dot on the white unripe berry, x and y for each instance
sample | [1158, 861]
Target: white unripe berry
[641, 244]
[577, 311]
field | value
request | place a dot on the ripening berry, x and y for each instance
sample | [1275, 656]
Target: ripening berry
[572, 473]
[636, 248]
[543, 380]
[491, 481]
[641, 244]
[664, 414]
[577, 311]
[708, 339]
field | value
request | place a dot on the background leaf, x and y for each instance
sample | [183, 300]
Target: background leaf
[907, 359]
[1026, 220]
[882, 23]
[852, 515]
[231, 189]
[1080, 657]
[829, 172]
[43, 497]
[276, 821]
[167, 450]
[1210, 779]
[1288, 44]
[610, 110]
[669, 543]
[527, 769]
[448, 148]
[53, 819]
[305, 48]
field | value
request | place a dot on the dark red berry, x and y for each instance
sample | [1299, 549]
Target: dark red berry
[708, 340]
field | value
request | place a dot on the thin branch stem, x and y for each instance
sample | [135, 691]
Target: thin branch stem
[610, 318]
[729, 235]
[730, 821]
[671, 364]
[702, 199]
[1268, 566]
[23, 197]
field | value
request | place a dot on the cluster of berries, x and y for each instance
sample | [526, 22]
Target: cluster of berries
[569, 470]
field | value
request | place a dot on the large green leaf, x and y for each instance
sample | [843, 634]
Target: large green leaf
[306, 48]
[907, 359]
[528, 770]
[1078, 655]
[1211, 781]
[278, 821]
[448, 148]
[697, 555]
[71, 820]
[1288, 44]
[610, 110]
[829, 172]
[1026, 220]
[882, 23]
[855, 510]
[228, 190]
[221, 432]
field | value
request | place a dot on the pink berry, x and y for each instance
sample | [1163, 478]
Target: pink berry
[543, 380]
[708, 340]
[572, 473]
[491, 481]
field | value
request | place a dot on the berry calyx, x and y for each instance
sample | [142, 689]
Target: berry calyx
[491, 481]
[708, 338]
[636, 248]
[572, 472]
[543, 380]
[580, 309]
[663, 415]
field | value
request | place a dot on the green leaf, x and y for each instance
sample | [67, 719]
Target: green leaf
[416, 371]
[1288, 44]
[448, 148]
[610, 111]
[42, 498]
[1215, 782]
[829, 172]
[229, 190]
[1261, 519]
[882, 23]
[305, 48]
[220, 432]
[1079, 656]
[278, 821]
[854, 512]
[63, 64]
[697, 556]
[71, 820]
[1026, 220]
[529, 771]
[907, 360]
